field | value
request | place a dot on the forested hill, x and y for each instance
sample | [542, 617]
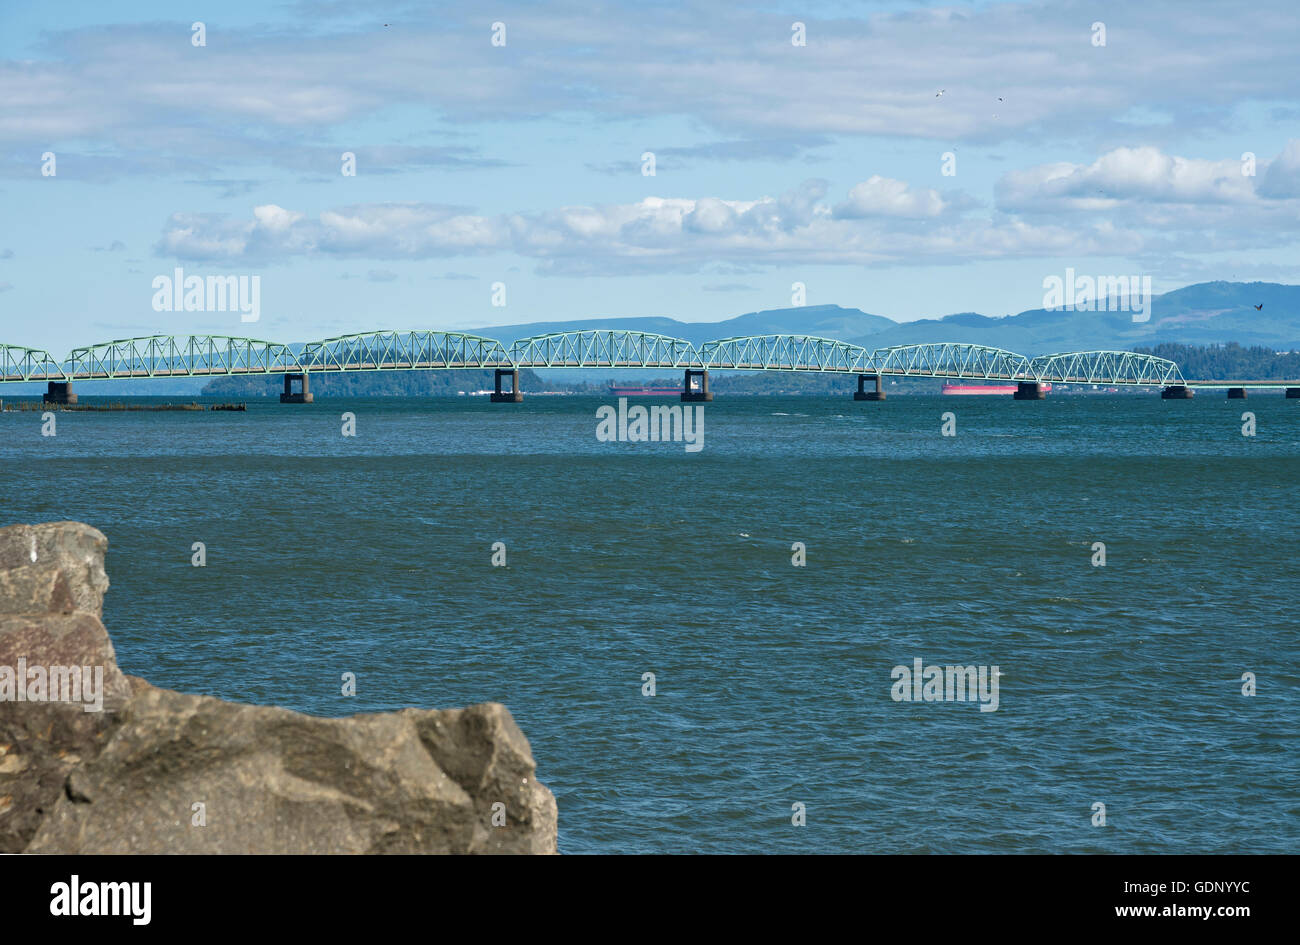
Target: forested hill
[1229, 362]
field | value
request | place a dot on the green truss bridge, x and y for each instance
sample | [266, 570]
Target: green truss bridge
[418, 350]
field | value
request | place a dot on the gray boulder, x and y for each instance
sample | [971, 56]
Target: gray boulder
[70, 549]
[52, 584]
[156, 771]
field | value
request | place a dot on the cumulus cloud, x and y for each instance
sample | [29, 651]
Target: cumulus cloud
[1282, 178]
[275, 218]
[652, 234]
[1200, 203]
[885, 197]
[710, 215]
[1128, 200]
[1144, 174]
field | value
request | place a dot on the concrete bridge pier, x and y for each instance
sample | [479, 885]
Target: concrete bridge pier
[59, 392]
[1236, 393]
[1029, 390]
[863, 393]
[696, 386]
[1176, 392]
[512, 396]
[290, 396]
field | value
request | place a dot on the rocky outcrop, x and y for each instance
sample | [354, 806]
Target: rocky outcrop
[156, 771]
[52, 583]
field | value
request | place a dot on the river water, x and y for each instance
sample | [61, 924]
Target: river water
[774, 684]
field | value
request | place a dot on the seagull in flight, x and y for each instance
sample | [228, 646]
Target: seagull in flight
[940, 92]
[1259, 307]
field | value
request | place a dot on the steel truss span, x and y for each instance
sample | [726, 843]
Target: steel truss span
[603, 348]
[786, 353]
[953, 360]
[28, 364]
[178, 356]
[414, 350]
[403, 351]
[1106, 367]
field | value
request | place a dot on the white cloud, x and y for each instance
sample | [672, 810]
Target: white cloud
[1206, 204]
[710, 215]
[275, 218]
[884, 196]
[1009, 70]
[1282, 178]
[653, 234]
[1125, 174]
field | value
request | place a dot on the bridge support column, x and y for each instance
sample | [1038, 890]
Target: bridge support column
[290, 396]
[1293, 393]
[864, 394]
[1176, 392]
[1236, 393]
[696, 386]
[512, 396]
[59, 392]
[1029, 390]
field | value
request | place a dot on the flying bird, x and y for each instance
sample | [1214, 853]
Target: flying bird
[940, 92]
[1259, 307]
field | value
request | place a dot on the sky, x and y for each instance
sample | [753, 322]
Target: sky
[912, 160]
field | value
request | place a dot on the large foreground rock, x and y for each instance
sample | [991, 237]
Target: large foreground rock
[69, 551]
[52, 583]
[162, 771]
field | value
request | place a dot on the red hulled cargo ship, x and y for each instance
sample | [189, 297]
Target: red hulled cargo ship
[983, 389]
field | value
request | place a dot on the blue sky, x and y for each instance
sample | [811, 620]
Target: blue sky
[522, 164]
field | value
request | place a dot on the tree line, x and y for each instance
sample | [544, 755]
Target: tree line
[1229, 361]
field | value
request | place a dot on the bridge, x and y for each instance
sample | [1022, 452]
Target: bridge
[421, 350]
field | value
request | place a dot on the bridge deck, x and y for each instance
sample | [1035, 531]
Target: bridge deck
[424, 349]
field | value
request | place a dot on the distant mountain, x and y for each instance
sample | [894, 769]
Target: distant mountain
[830, 321]
[1207, 313]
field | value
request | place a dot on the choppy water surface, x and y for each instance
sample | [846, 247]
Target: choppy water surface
[1121, 684]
